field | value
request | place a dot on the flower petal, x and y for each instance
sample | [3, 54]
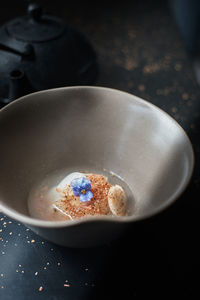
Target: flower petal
[79, 184]
[86, 197]
[86, 184]
[76, 191]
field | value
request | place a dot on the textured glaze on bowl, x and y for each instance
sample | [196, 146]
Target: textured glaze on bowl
[91, 128]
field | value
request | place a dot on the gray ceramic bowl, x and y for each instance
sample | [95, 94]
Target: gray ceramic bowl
[91, 128]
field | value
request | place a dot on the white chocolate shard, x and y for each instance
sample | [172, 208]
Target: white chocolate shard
[117, 200]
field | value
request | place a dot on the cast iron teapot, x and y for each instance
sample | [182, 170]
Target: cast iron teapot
[38, 51]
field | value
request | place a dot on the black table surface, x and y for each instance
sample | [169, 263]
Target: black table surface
[140, 51]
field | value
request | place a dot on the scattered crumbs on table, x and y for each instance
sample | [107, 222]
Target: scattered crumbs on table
[40, 289]
[66, 285]
[185, 96]
[32, 241]
[36, 273]
[141, 87]
[174, 109]
[177, 67]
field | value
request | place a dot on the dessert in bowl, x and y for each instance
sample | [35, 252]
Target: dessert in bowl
[113, 139]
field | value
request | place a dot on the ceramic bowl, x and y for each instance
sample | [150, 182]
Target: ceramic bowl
[91, 128]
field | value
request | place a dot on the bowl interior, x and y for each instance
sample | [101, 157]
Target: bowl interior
[94, 129]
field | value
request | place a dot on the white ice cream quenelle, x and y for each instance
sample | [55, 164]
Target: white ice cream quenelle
[68, 179]
[117, 200]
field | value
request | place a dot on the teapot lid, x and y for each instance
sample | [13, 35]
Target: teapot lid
[35, 26]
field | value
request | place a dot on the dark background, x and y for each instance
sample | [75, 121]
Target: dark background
[140, 51]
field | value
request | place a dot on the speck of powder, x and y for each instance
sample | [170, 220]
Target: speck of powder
[141, 87]
[47, 263]
[174, 109]
[15, 245]
[0, 230]
[86, 269]
[32, 241]
[2, 219]
[36, 273]
[17, 271]
[185, 96]
[28, 242]
[2, 287]
[10, 233]
[20, 266]
[40, 289]
[3, 252]
[23, 271]
[51, 249]
[10, 222]
[86, 283]
[45, 268]
[42, 243]
[19, 234]
[58, 264]
[19, 224]
[27, 229]
[1, 274]
[66, 285]
[178, 67]
[4, 223]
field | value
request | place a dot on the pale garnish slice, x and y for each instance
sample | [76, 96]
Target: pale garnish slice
[117, 200]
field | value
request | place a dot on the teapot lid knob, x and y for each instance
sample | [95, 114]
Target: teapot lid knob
[34, 11]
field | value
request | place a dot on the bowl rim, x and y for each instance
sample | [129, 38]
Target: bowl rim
[124, 219]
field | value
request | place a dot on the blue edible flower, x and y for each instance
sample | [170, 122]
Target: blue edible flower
[82, 187]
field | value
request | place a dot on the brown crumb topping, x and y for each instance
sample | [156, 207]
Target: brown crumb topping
[98, 205]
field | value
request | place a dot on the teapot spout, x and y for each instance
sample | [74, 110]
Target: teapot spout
[19, 85]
